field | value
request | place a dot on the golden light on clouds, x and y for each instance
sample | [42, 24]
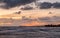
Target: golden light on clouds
[33, 23]
[35, 13]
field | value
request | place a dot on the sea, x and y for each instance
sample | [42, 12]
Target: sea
[29, 32]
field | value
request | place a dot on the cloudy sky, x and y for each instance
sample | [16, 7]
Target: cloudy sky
[50, 0]
[14, 9]
[35, 13]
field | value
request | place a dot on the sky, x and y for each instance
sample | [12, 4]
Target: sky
[50, 1]
[10, 11]
[43, 14]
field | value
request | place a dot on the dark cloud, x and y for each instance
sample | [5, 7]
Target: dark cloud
[45, 5]
[56, 5]
[27, 8]
[13, 3]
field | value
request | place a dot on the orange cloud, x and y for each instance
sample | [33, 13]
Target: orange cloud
[33, 23]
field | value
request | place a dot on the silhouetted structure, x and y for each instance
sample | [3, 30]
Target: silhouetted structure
[52, 25]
